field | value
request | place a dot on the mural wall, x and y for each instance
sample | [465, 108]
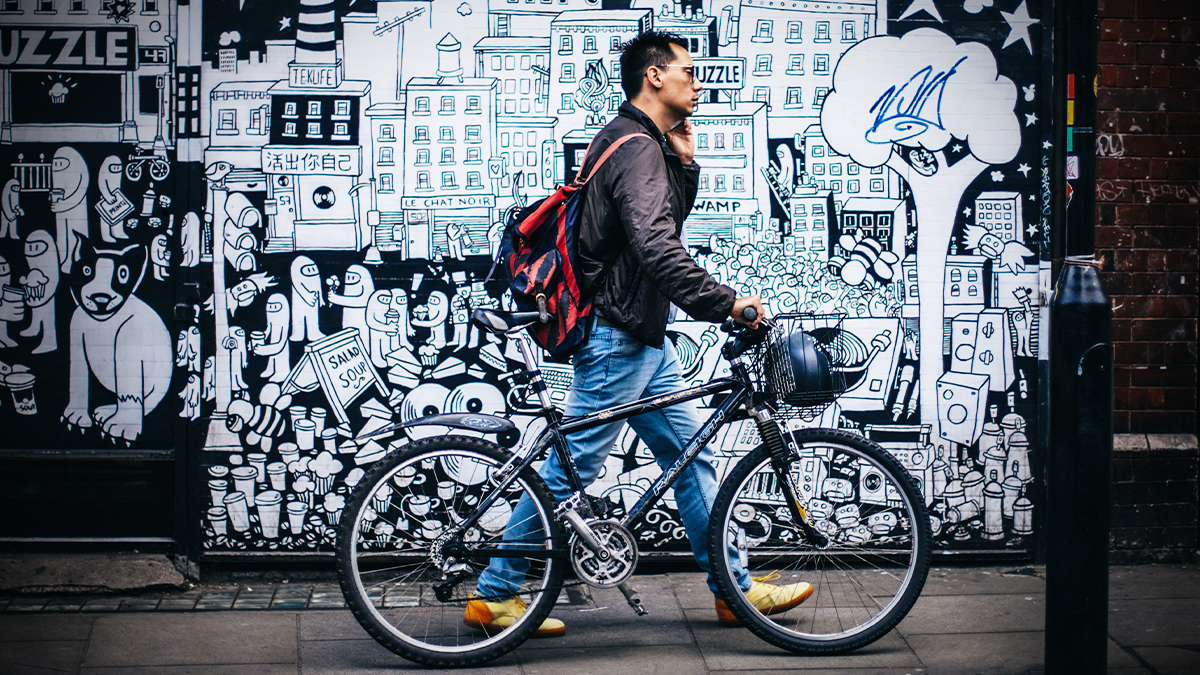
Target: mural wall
[335, 174]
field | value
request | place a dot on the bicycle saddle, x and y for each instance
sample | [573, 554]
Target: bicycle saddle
[501, 322]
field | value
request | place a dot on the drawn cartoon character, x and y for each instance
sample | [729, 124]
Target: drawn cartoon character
[70, 179]
[235, 350]
[404, 328]
[275, 340]
[357, 290]
[189, 239]
[306, 298]
[432, 315]
[118, 339]
[40, 285]
[10, 208]
[382, 325]
[160, 257]
[190, 395]
[187, 349]
[109, 181]
[9, 309]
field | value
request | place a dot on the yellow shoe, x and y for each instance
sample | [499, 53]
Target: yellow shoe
[493, 617]
[766, 598]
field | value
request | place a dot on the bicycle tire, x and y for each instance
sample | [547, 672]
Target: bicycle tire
[383, 554]
[868, 577]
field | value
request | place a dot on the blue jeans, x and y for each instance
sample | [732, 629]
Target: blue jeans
[613, 368]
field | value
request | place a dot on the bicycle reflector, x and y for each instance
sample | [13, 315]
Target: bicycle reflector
[797, 371]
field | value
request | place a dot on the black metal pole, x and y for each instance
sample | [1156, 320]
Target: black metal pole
[1079, 459]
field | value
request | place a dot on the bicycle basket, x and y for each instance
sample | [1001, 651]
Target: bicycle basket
[802, 362]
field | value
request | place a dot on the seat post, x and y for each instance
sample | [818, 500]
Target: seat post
[535, 375]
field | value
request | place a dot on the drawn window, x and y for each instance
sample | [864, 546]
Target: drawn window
[852, 169]
[227, 122]
[568, 104]
[504, 139]
[473, 105]
[763, 95]
[739, 183]
[387, 132]
[955, 291]
[589, 44]
[498, 62]
[341, 108]
[835, 185]
[422, 107]
[820, 98]
[289, 109]
[794, 31]
[702, 142]
[852, 186]
[423, 180]
[835, 169]
[817, 151]
[818, 209]
[518, 139]
[531, 157]
[795, 64]
[614, 102]
[422, 157]
[564, 44]
[447, 155]
[448, 179]
[568, 73]
[821, 64]
[703, 182]
[385, 183]
[472, 155]
[289, 129]
[525, 62]
[762, 64]
[446, 135]
[421, 135]
[341, 130]
[801, 211]
[474, 180]
[973, 276]
[848, 31]
[314, 130]
[47, 5]
[718, 141]
[877, 185]
[148, 7]
[614, 45]
[314, 108]
[719, 182]
[385, 156]
[817, 244]
[473, 133]
[447, 105]
[738, 141]
[257, 117]
[793, 98]
[822, 31]
[762, 31]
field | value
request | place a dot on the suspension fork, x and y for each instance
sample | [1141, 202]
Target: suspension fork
[782, 453]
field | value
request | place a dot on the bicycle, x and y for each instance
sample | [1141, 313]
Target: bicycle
[824, 506]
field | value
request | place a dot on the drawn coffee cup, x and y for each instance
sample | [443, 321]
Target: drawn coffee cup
[420, 505]
[446, 489]
[431, 529]
[408, 476]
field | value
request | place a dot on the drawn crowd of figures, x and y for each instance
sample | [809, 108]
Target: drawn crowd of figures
[337, 202]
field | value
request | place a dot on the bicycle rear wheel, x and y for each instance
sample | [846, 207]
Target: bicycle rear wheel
[868, 575]
[387, 557]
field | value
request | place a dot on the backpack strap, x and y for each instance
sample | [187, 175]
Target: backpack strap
[607, 153]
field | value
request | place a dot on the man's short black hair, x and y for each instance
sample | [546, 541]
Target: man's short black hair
[652, 48]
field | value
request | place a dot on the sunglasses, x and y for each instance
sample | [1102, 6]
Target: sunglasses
[690, 71]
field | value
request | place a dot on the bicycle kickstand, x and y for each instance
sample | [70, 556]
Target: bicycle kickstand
[633, 598]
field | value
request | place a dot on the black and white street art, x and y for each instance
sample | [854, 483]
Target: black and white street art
[329, 180]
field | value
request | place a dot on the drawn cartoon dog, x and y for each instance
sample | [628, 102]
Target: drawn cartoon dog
[118, 338]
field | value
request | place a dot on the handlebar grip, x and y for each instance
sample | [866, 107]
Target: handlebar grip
[749, 314]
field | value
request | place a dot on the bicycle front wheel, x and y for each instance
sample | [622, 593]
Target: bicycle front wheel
[867, 573]
[408, 565]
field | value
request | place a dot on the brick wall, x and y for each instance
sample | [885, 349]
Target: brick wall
[1155, 481]
[1148, 205]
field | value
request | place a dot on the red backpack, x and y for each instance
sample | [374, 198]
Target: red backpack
[539, 252]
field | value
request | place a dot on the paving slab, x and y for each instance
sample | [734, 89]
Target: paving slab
[43, 627]
[192, 638]
[645, 660]
[998, 653]
[60, 655]
[363, 657]
[1172, 660]
[334, 624]
[1136, 623]
[224, 669]
[949, 614]
[1144, 582]
[739, 649]
[984, 580]
[691, 590]
[608, 620]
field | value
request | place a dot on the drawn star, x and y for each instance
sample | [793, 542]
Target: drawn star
[1024, 169]
[926, 6]
[1046, 145]
[957, 147]
[967, 212]
[997, 176]
[120, 10]
[1018, 26]
[1032, 229]
[1030, 119]
[1032, 198]
[285, 23]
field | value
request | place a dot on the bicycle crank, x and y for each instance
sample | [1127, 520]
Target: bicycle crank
[612, 562]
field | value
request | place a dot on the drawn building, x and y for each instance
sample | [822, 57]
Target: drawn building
[522, 17]
[689, 23]
[1000, 213]
[884, 220]
[791, 49]
[812, 212]
[452, 173]
[732, 197]
[839, 174]
[521, 66]
[77, 75]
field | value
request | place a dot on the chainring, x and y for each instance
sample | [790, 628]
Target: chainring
[622, 555]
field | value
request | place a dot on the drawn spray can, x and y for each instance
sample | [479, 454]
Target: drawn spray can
[148, 200]
[993, 520]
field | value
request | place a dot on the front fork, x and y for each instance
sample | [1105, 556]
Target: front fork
[783, 453]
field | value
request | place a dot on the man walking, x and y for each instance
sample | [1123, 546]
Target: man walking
[634, 262]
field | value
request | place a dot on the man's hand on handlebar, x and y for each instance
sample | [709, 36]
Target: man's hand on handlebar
[748, 311]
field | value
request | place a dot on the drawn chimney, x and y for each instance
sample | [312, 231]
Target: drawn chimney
[449, 60]
[316, 63]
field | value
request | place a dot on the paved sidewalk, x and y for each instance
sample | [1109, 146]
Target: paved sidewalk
[968, 620]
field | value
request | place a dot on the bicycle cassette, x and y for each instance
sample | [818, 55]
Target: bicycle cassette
[610, 570]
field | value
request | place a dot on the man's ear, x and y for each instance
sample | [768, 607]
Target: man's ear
[654, 77]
